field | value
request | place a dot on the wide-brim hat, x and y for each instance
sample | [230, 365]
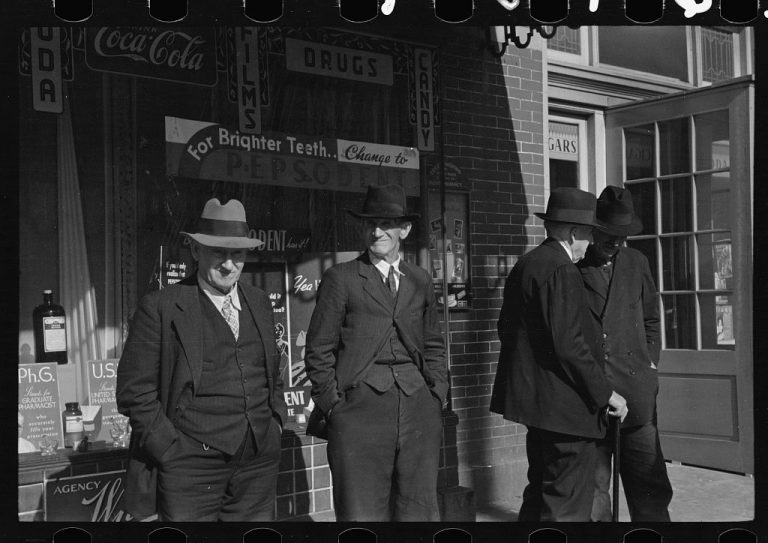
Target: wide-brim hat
[384, 202]
[616, 212]
[224, 226]
[572, 206]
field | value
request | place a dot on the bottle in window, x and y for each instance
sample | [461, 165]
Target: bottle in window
[50, 324]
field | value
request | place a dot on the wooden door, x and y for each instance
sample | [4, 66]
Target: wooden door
[687, 159]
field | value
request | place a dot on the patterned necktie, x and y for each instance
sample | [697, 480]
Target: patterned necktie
[230, 315]
[391, 281]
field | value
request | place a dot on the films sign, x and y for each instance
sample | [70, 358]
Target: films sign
[180, 54]
[204, 150]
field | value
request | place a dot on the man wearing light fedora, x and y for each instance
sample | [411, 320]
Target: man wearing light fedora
[199, 380]
[623, 305]
[547, 377]
[376, 359]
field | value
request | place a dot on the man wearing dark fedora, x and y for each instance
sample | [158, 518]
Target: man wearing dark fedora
[547, 377]
[376, 359]
[199, 380]
[623, 305]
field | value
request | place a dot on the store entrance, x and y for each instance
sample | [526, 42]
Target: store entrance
[687, 159]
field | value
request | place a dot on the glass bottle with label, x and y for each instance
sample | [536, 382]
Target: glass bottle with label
[73, 425]
[50, 324]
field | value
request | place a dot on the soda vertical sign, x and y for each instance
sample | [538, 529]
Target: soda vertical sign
[248, 86]
[46, 70]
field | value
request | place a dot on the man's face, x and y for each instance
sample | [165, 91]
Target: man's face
[581, 237]
[607, 245]
[382, 237]
[219, 266]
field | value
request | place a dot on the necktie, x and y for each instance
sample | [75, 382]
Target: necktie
[391, 283]
[230, 315]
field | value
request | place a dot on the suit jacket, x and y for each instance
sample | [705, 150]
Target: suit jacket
[159, 373]
[628, 332]
[353, 319]
[547, 377]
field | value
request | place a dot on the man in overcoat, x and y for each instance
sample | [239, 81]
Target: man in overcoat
[199, 380]
[624, 307]
[547, 377]
[376, 359]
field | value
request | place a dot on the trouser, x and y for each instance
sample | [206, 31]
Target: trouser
[384, 452]
[561, 478]
[199, 483]
[643, 476]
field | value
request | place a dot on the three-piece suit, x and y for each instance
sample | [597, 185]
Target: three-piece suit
[378, 371]
[206, 408]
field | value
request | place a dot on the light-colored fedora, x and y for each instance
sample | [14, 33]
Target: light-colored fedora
[224, 226]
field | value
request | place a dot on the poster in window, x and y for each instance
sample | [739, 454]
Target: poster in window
[723, 265]
[39, 406]
[449, 250]
[724, 319]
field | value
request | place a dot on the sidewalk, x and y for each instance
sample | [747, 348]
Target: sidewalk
[700, 495]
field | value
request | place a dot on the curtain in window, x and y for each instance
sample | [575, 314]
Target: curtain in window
[77, 293]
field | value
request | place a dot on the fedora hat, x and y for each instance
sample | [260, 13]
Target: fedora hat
[224, 226]
[616, 212]
[570, 205]
[384, 202]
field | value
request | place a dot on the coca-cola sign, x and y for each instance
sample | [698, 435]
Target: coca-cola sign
[176, 54]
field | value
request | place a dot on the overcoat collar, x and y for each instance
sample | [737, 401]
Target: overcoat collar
[593, 280]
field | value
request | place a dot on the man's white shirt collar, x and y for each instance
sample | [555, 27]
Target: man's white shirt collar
[217, 297]
[383, 266]
[567, 248]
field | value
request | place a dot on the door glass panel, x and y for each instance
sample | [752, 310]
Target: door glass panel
[712, 140]
[648, 248]
[677, 263]
[715, 262]
[716, 322]
[644, 202]
[563, 173]
[674, 146]
[713, 201]
[639, 152]
[679, 321]
[676, 212]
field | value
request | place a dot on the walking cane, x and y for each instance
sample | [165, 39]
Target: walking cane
[616, 464]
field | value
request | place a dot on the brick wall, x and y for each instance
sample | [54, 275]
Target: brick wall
[494, 132]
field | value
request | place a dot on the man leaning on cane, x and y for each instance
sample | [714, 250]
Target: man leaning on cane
[623, 306]
[547, 378]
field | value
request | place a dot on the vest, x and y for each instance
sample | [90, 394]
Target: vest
[233, 394]
[393, 363]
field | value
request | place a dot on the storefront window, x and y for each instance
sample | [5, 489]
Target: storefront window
[564, 154]
[640, 152]
[674, 147]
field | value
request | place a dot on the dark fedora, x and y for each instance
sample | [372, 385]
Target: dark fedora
[570, 205]
[616, 212]
[224, 226]
[384, 202]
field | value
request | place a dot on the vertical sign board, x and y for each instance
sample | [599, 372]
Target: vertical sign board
[425, 97]
[248, 86]
[97, 497]
[47, 89]
[40, 411]
[102, 380]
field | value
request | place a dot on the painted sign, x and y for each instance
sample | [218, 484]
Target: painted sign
[332, 61]
[39, 405]
[182, 54]
[86, 498]
[248, 83]
[101, 382]
[281, 242]
[203, 150]
[425, 92]
[563, 141]
[47, 88]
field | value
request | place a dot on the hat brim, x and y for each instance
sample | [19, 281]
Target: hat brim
[545, 217]
[635, 227]
[225, 241]
[410, 217]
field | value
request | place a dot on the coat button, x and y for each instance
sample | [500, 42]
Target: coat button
[632, 372]
[605, 335]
